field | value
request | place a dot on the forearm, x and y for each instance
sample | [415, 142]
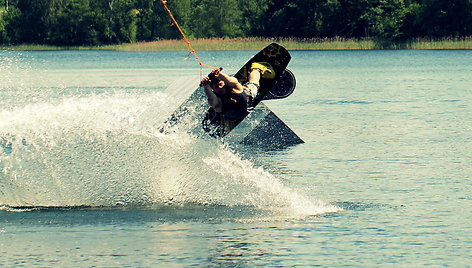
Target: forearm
[231, 81]
[213, 100]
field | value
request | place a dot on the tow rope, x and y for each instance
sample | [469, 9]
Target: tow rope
[164, 2]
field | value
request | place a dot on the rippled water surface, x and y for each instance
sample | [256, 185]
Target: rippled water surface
[383, 178]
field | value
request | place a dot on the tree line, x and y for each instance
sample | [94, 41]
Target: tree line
[96, 22]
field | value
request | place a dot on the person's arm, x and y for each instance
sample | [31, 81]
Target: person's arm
[230, 81]
[213, 100]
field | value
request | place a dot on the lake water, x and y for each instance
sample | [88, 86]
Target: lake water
[383, 178]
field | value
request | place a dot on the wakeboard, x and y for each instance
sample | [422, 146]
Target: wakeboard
[276, 88]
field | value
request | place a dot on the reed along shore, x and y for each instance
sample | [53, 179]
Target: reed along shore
[256, 43]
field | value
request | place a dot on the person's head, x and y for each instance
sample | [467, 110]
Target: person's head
[217, 84]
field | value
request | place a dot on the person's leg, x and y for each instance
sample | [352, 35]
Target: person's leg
[255, 76]
[258, 70]
[251, 88]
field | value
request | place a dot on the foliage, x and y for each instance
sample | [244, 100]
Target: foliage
[91, 22]
[3, 32]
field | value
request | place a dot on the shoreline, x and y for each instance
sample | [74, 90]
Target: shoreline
[254, 43]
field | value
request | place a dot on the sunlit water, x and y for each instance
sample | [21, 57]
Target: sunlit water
[87, 178]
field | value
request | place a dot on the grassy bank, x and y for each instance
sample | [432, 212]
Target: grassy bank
[258, 43]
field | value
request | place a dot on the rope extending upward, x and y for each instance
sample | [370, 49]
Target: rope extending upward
[164, 3]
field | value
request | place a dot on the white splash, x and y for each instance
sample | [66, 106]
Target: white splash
[107, 150]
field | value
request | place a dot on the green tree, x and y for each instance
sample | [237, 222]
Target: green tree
[144, 21]
[3, 32]
[217, 18]
[91, 22]
[11, 23]
[411, 26]
[319, 18]
[254, 18]
[354, 19]
[328, 19]
[34, 19]
[77, 23]
[442, 18]
[387, 19]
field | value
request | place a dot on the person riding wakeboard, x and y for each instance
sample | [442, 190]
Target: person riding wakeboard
[230, 101]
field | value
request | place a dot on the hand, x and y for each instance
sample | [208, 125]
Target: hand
[205, 82]
[216, 72]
